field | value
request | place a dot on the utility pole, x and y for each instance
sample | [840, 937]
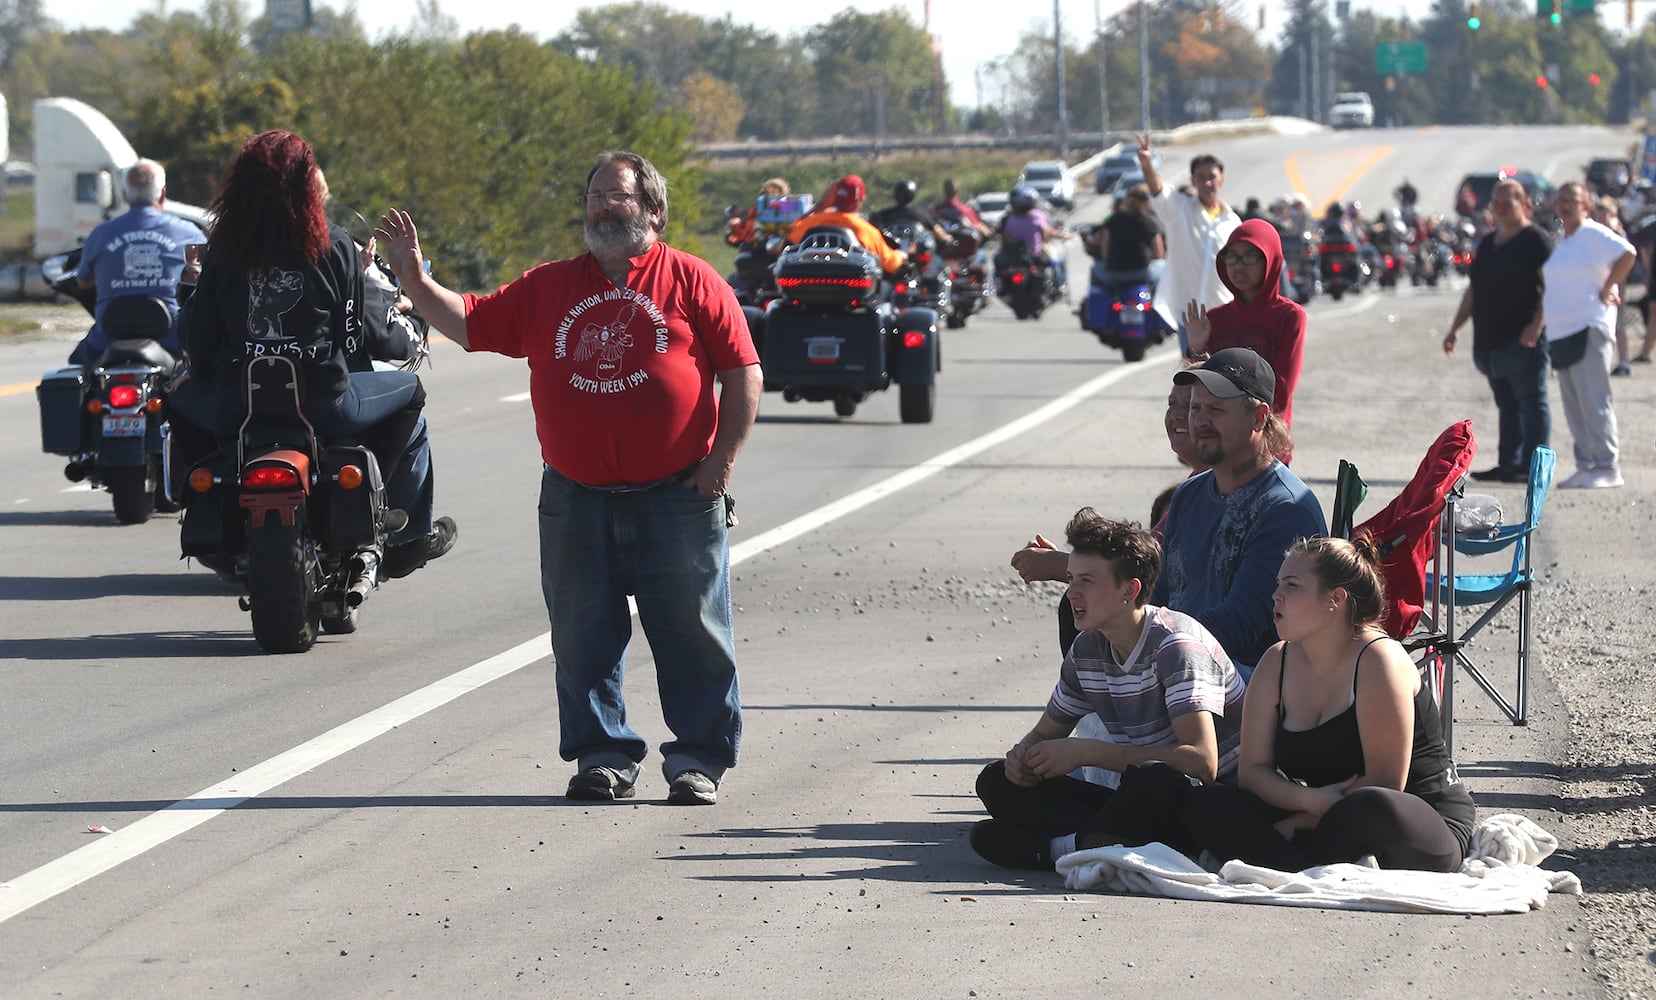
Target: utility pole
[1103, 78]
[1144, 72]
[1316, 74]
[1058, 58]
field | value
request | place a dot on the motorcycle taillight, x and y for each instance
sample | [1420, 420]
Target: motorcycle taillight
[271, 477]
[123, 396]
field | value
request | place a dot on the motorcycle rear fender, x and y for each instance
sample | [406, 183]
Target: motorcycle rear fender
[916, 365]
[284, 504]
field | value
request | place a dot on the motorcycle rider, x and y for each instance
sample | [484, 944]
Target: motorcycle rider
[1406, 194]
[140, 252]
[952, 210]
[1128, 246]
[1027, 224]
[839, 209]
[905, 210]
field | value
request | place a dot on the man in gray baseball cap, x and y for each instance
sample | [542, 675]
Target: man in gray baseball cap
[1228, 527]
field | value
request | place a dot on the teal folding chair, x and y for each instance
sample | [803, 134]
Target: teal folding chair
[1453, 590]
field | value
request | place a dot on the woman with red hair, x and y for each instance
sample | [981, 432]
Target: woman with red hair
[277, 278]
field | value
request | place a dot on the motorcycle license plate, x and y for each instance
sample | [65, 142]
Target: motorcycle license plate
[822, 352]
[124, 426]
[1132, 317]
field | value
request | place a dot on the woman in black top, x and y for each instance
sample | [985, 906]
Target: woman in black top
[1342, 744]
[1503, 302]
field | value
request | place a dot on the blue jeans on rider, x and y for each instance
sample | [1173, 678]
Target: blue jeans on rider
[667, 547]
[1518, 377]
[371, 397]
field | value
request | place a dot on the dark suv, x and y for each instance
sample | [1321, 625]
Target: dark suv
[1473, 193]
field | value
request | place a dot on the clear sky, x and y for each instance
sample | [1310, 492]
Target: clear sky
[972, 32]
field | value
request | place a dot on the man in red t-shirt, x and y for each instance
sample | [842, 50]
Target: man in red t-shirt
[624, 344]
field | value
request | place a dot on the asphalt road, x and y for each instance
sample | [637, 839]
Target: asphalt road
[380, 816]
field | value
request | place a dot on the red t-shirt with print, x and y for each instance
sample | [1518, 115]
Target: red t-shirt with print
[621, 378]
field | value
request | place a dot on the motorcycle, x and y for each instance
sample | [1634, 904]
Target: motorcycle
[300, 521]
[1392, 252]
[107, 417]
[1341, 264]
[1122, 317]
[924, 280]
[1024, 283]
[1301, 264]
[971, 284]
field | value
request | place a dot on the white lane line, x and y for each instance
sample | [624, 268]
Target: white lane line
[517, 397]
[110, 850]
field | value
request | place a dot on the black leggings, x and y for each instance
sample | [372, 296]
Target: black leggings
[1401, 830]
[1143, 810]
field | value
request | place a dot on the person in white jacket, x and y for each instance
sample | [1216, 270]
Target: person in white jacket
[1196, 226]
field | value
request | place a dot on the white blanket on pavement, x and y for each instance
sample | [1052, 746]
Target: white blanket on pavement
[1500, 875]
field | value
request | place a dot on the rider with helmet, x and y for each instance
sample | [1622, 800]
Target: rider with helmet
[905, 210]
[1026, 224]
[839, 208]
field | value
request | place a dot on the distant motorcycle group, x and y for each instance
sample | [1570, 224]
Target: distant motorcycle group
[1342, 254]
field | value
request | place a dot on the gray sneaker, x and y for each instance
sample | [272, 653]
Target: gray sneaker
[599, 784]
[693, 788]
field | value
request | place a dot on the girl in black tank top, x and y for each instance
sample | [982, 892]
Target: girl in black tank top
[1342, 751]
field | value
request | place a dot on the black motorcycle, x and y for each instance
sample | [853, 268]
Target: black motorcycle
[1341, 263]
[107, 418]
[1023, 281]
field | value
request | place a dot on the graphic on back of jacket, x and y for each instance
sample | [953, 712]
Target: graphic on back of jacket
[270, 295]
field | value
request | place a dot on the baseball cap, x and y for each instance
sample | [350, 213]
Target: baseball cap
[1232, 372]
[846, 193]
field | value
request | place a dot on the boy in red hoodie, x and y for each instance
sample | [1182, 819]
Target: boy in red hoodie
[1260, 318]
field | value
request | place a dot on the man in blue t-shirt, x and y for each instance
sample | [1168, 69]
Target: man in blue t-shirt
[1227, 528]
[140, 252]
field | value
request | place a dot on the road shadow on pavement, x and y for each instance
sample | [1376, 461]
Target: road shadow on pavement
[90, 588]
[124, 648]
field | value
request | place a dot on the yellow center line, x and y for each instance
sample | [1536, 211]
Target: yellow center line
[14, 389]
[1296, 180]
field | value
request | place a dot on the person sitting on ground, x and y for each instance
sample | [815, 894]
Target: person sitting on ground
[1259, 318]
[139, 252]
[1342, 745]
[1025, 223]
[839, 209]
[1165, 692]
[1226, 527]
[1128, 246]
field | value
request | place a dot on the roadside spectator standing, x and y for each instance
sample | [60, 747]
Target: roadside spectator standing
[1196, 226]
[1503, 301]
[1643, 239]
[1260, 318]
[1580, 302]
[624, 345]
[1607, 213]
[1168, 700]
[840, 207]
[139, 252]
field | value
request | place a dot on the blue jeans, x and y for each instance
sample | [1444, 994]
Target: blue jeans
[370, 398]
[668, 548]
[1518, 377]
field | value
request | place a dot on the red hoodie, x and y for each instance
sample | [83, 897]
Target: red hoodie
[1271, 326]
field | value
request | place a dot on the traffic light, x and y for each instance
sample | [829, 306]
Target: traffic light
[1474, 22]
[1630, 13]
[1541, 82]
[1593, 78]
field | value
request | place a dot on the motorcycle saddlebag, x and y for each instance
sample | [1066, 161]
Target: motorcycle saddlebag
[354, 515]
[831, 349]
[1099, 303]
[62, 393]
[210, 524]
[828, 268]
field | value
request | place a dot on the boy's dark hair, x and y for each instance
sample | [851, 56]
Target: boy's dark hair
[1198, 162]
[1132, 553]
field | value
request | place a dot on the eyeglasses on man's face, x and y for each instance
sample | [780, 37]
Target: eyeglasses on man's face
[615, 198]
[1242, 259]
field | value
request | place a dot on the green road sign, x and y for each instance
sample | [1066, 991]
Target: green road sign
[1400, 58]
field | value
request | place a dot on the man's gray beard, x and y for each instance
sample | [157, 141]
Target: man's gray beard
[616, 236]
